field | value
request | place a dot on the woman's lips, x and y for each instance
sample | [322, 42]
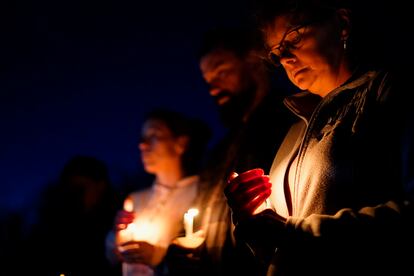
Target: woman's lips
[298, 71]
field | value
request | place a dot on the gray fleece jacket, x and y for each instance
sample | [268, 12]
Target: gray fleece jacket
[337, 179]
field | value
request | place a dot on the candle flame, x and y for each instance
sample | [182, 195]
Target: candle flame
[192, 212]
[128, 205]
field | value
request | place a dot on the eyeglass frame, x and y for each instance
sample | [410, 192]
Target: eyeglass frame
[281, 48]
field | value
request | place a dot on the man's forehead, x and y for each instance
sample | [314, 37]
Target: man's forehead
[155, 124]
[216, 58]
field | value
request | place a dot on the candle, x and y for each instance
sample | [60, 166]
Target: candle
[143, 228]
[128, 205]
[190, 240]
[127, 234]
[189, 221]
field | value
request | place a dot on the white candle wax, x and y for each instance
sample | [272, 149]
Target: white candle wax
[189, 221]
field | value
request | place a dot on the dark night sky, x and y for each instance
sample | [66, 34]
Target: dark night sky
[77, 76]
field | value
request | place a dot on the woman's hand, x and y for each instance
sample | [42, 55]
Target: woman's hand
[122, 219]
[137, 252]
[246, 192]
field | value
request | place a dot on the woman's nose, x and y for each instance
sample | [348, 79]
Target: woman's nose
[287, 58]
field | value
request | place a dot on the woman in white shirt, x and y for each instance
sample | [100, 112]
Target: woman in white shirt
[172, 147]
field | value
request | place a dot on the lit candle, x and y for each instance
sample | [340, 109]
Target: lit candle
[189, 221]
[128, 205]
[127, 234]
[141, 229]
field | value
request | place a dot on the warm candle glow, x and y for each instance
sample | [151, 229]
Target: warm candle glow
[140, 230]
[124, 236]
[128, 205]
[144, 230]
[189, 221]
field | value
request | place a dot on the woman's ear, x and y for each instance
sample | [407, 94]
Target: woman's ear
[344, 16]
[181, 144]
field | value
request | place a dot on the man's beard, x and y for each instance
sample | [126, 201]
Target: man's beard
[233, 111]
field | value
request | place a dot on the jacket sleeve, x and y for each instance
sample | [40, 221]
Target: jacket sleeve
[377, 220]
[372, 240]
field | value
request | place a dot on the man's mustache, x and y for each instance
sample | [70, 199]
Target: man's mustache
[221, 95]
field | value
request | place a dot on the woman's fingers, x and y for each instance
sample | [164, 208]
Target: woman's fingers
[245, 192]
[248, 191]
[236, 180]
[249, 188]
[123, 218]
[251, 207]
[244, 197]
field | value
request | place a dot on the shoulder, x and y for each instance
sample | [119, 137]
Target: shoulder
[382, 83]
[376, 84]
[389, 88]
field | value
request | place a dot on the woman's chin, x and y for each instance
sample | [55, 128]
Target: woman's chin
[302, 85]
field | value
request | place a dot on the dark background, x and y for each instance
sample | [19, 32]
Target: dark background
[77, 76]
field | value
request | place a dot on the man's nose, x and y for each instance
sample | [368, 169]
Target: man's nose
[143, 145]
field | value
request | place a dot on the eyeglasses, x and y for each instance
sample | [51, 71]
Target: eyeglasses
[290, 41]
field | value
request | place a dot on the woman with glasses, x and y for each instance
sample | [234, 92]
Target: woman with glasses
[334, 201]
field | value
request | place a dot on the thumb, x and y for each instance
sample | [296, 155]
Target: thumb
[232, 176]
